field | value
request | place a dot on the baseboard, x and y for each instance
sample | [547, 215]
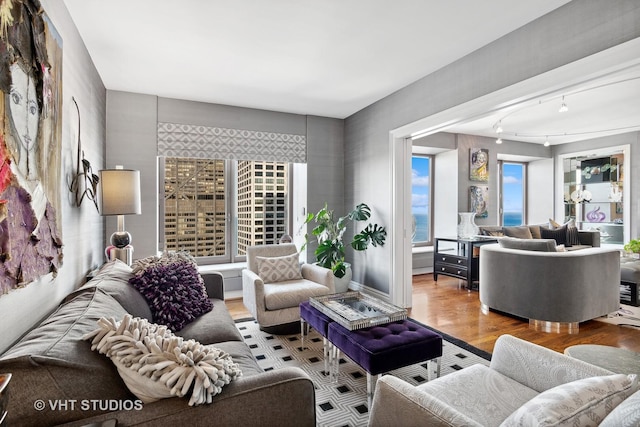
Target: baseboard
[355, 286]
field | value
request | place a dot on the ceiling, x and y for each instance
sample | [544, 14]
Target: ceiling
[327, 58]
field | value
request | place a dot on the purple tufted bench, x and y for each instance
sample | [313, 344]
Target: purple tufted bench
[309, 316]
[383, 348]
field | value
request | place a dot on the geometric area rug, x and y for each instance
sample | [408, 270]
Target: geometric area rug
[343, 403]
[627, 315]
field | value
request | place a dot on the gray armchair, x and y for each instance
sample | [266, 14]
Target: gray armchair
[501, 394]
[275, 304]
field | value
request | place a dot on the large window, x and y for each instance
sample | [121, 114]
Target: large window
[216, 208]
[421, 199]
[513, 195]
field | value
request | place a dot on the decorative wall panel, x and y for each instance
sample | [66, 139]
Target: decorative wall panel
[194, 141]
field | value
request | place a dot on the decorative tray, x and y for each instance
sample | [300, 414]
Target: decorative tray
[355, 310]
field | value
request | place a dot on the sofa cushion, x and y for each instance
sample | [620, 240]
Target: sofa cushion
[491, 231]
[480, 393]
[557, 234]
[52, 362]
[113, 279]
[535, 231]
[156, 364]
[172, 287]
[521, 232]
[291, 293]
[541, 245]
[279, 269]
[582, 402]
[213, 327]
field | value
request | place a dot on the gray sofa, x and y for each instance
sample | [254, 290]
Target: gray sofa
[586, 239]
[563, 287]
[53, 364]
[501, 394]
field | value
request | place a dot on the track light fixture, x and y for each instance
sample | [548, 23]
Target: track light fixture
[499, 141]
[563, 107]
[498, 127]
[546, 142]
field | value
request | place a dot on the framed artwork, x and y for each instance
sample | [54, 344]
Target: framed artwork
[479, 164]
[30, 146]
[479, 200]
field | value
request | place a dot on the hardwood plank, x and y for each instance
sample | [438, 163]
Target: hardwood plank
[447, 306]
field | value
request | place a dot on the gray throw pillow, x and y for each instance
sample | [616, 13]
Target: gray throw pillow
[540, 245]
[521, 232]
[558, 234]
[572, 237]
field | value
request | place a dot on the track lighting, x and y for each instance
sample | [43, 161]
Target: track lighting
[563, 107]
[499, 141]
[498, 128]
[546, 142]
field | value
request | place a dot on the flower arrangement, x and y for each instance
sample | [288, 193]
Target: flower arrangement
[581, 196]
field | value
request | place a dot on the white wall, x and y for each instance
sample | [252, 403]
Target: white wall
[82, 228]
[539, 194]
[445, 194]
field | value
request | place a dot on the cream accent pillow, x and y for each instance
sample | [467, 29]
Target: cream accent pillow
[553, 224]
[156, 364]
[279, 269]
[582, 402]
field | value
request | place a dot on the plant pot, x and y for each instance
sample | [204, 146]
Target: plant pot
[342, 283]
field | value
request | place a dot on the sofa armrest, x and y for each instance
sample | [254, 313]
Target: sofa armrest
[253, 293]
[319, 274]
[214, 283]
[589, 238]
[398, 403]
[282, 397]
[538, 367]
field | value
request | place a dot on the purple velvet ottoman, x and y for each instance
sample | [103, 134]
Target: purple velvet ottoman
[383, 348]
[309, 316]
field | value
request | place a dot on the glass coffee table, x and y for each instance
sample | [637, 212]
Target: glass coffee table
[355, 310]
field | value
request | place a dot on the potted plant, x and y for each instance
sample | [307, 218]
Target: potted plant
[633, 247]
[330, 230]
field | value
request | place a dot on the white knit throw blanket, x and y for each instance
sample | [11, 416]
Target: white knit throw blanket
[161, 364]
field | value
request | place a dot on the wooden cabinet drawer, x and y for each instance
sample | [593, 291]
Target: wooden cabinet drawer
[459, 271]
[451, 259]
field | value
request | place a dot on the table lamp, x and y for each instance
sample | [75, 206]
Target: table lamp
[120, 195]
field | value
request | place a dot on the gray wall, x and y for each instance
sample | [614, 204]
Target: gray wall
[569, 33]
[131, 140]
[82, 228]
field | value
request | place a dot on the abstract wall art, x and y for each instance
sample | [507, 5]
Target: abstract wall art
[30, 144]
[479, 164]
[479, 200]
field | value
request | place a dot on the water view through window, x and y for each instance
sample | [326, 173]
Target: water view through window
[421, 198]
[512, 193]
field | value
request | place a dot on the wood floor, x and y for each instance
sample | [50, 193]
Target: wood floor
[448, 307]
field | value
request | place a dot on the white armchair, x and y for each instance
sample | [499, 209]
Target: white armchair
[274, 284]
[526, 384]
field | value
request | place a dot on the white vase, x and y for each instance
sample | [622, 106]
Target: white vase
[466, 227]
[342, 283]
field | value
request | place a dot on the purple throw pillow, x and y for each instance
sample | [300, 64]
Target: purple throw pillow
[173, 289]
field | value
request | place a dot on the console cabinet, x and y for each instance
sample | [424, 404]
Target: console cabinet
[457, 257]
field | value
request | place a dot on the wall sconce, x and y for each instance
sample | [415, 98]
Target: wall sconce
[120, 195]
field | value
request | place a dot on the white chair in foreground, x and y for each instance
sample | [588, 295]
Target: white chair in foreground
[274, 284]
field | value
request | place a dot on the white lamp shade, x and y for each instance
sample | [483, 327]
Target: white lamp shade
[120, 192]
